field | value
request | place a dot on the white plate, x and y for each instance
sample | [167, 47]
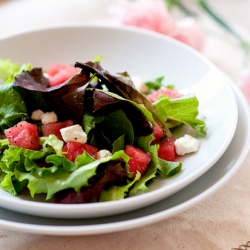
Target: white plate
[141, 53]
[207, 184]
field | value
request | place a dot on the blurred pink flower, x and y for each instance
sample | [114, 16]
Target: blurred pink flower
[154, 15]
[244, 83]
[147, 14]
[189, 32]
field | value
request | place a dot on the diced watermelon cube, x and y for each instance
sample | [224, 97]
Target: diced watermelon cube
[139, 160]
[73, 149]
[164, 91]
[24, 135]
[158, 133]
[54, 128]
[59, 73]
[167, 150]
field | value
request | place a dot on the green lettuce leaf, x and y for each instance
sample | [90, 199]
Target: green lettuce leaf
[7, 184]
[118, 192]
[51, 144]
[119, 144]
[4, 144]
[51, 182]
[156, 84]
[112, 130]
[184, 110]
[7, 68]
[168, 168]
[12, 108]
[14, 154]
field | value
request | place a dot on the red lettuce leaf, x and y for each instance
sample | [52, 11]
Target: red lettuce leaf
[66, 99]
[123, 86]
[102, 103]
[107, 175]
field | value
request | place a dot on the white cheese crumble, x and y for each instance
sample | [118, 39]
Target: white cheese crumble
[103, 153]
[74, 133]
[139, 84]
[49, 117]
[186, 144]
[36, 115]
[46, 75]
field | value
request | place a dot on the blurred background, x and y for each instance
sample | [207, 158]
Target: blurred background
[19, 13]
[220, 47]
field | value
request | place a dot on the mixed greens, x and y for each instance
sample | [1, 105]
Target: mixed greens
[113, 114]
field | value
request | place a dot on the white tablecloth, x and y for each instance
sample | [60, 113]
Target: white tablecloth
[220, 222]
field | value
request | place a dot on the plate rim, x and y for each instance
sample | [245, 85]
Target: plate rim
[144, 220]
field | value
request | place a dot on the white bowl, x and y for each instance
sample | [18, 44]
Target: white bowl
[141, 53]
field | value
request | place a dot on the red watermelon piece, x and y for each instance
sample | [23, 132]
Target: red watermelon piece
[59, 73]
[54, 128]
[158, 133]
[24, 135]
[164, 91]
[167, 150]
[139, 160]
[73, 149]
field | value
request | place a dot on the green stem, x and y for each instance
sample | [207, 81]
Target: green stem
[243, 43]
[218, 19]
[171, 4]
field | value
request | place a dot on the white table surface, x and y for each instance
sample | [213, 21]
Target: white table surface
[222, 221]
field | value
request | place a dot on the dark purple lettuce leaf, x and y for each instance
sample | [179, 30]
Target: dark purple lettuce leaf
[32, 80]
[66, 99]
[121, 85]
[96, 100]
[111, 173]
[101, 103]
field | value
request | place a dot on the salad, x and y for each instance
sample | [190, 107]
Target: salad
[80, 134]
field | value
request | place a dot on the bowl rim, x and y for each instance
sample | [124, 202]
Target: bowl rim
[105, 205]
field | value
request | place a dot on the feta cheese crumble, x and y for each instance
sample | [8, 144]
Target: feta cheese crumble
[139, 84]
[36, 115]
[186, 144]
[74, 133]
[49, 117]
[103, 153]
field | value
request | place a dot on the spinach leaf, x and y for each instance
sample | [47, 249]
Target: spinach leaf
[12, 107]
[111, 128]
